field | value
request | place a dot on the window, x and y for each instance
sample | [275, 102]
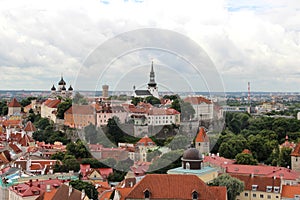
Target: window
[269, 189]
[246, 194]
[277, 197]
[261, 196]
[187, 165]
[254, 187]
[254, 195]
[276, 189]
[195, 195]
[146, 194]
[269, 196]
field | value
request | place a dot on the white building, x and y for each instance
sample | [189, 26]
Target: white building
[204, 108]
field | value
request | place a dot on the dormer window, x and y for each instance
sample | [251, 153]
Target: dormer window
[276, 189]
[195, 195]
[147, 194]
[269, 189]
[254, 187]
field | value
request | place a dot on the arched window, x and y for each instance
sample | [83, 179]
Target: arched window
[195, 195]
[187, 165]
[147, 194]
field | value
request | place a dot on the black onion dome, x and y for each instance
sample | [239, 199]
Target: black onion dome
[63, 88]
[53, 88]
[70, 88]
[61, 82]
[192, 154]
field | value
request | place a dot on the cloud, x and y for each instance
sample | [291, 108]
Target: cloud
[255, 41]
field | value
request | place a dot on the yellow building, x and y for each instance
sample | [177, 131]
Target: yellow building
[259, 187]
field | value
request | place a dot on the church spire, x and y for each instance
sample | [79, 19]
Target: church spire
[152, 77]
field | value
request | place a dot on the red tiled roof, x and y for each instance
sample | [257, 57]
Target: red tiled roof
[218, 161]
[261, 181]
[52, 103]
[197, 100]
[123, 192]
[105, 171]
[81, 109]
[146, 141]
[105, 195]
[29, 127]
[296, 151]
[14, 103]
[15, 148]
[246, 151]
[174, 186]
[262, 170]
[12, 123]
[201, 136]
[289, 191]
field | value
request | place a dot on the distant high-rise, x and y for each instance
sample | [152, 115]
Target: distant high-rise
[105, 91]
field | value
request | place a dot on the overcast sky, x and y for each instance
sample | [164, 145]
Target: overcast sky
[256, 41]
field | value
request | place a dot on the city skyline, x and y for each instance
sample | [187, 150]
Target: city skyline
[256, 41]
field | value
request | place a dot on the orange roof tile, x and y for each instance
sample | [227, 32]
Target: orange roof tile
[261, 181]
[81, 109]
[289, 191]
[52, 103]
[296, 151]
[174, 186]
[14, 103]
[146, 141]
[202, 136]
[29, 127]
[123, 192]
[246, 151]
[197, 100]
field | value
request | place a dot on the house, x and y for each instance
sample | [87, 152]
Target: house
[100, 152]
[290, 192]
[29, 128]
[175, 186]
[80, 116]
[259, 187]
[204, 108]
[105, 111]
[14, 107]
[49, 109]
[64, 192]
[33, 188]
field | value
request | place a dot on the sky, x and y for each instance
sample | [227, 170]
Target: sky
[241, 41]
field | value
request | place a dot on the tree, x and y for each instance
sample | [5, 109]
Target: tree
[136, 100]
[90, 133]
[89, 189]
[285, 157]
[234, 186]
[179, 142]
[79, 99]
[78, 149]
[42, 123]
[152, 100]
[245, 159]
[63, 107]
[233, 146]
[124, 165]
[185, 108]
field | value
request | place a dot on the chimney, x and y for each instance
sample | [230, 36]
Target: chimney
[252, 175]
[70, 190]
[82, 194]
[48, 188]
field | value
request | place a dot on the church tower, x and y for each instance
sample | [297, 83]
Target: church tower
[202, 141]
[152, 87]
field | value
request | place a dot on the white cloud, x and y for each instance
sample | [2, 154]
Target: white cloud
[255, 41]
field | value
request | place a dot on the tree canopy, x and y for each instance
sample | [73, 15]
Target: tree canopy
[234, 186]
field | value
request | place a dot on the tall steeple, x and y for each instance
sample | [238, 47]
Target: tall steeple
[152, 77]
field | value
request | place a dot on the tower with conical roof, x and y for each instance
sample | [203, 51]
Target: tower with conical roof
[152, 86]
[202, 141]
